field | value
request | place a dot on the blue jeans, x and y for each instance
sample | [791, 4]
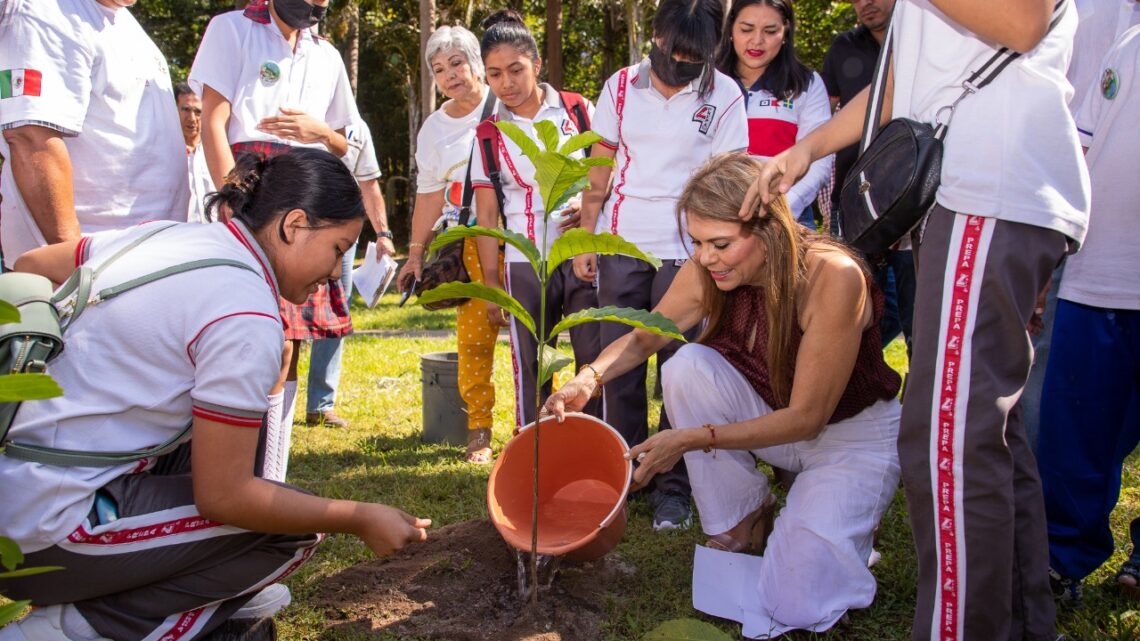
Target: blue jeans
[894, 274]
[1031, 396]
[326, 354]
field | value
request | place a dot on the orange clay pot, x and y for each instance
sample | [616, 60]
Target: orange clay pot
[582, 486]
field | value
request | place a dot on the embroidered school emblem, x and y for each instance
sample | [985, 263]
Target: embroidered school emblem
[270, 73]
[568, 127]
[1110, 84]
[704, 115]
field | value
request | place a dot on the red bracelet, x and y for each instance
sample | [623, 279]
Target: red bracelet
[711, 447]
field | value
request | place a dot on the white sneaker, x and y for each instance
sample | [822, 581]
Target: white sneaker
[271, 600]
[46, 624]
[874, 558]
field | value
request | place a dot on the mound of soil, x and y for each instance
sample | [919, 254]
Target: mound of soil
[462, 585]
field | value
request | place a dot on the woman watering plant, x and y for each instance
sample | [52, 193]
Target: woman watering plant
[177, 544]
[443, 151]
[510, 56]
[788, 370]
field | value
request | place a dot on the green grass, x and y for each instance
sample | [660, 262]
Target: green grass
[380, 458]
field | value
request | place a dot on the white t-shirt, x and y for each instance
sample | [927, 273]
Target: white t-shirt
[659, 142]
[93, 74]
[361, 155]
[245, 58]
[1012, 151]
[1101, 22]
[210, 346]
[1106, 271]
[774, 125]
[201, 185]
[522, 203]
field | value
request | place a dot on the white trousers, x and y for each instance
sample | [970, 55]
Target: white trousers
[815, 566]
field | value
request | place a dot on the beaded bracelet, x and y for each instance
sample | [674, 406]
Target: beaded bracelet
[597, 380]
[711, 447]
[413, 245]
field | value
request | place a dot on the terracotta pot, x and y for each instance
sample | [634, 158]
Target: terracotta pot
[582, 488]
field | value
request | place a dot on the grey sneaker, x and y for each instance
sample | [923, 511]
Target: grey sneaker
[1066, 592]
[671, 511]
[271, 600]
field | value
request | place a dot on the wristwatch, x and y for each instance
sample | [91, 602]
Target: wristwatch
[387, 233]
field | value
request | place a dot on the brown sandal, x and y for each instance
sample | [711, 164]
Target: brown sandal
[479, 446]
[762, 521]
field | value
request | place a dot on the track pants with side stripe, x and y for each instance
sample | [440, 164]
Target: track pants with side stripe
[160, 571]
[972, 486]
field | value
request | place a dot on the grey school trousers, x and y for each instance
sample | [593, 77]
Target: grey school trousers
[565, 294]
[629, 282]
[971, 480]
[161, 570]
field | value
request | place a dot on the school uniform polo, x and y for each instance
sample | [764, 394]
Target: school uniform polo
[92, 74]
[522, 203]
[245, 58]
[659, 142]
[201, 184]
[775, 124]
[204, 343]
[361, 156]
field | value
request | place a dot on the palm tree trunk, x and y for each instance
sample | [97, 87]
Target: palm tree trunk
[554, 43]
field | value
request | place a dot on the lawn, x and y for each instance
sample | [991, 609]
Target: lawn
[380, 458]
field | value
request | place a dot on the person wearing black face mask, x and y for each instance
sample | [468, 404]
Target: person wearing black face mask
[659, 120]
[268, 84]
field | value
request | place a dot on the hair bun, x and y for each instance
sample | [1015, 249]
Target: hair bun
[503, 16]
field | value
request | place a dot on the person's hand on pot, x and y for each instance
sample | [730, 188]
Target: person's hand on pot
[572, 396]
[657, 454]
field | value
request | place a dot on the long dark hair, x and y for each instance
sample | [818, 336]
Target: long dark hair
[258, 191]
[786, 76]
[691, 28]
[506, 27]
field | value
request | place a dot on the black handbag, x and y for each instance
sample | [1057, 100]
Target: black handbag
[893, 183]
[446, 264]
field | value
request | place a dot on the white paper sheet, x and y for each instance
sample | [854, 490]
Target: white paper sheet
[725, 586]
[372, 278]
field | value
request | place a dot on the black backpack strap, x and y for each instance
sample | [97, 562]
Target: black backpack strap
[487, 136]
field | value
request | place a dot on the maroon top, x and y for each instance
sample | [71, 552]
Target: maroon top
[871, 381]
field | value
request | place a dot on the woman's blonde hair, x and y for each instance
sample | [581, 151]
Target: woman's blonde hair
[716, 192]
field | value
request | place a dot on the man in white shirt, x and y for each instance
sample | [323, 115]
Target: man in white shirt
[90, 128]
[190, 116]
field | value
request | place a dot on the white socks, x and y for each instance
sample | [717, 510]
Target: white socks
[279, 432]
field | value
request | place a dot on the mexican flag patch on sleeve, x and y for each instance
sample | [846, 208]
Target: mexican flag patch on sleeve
[19, 82]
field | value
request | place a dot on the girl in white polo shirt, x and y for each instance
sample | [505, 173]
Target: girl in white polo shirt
[268, 83]
[173, 546]
[785, 99]
[510, 56]
[659, 119]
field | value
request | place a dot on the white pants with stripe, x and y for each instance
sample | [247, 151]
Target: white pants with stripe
[815, 567]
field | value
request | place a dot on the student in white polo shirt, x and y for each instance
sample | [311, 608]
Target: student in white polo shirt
[785, 99]
[1013, 199]
[90, 128]
[172, 546]
[510, 57]
[268, 83]
[659, 119]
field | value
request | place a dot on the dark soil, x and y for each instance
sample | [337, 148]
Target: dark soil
[462, 585]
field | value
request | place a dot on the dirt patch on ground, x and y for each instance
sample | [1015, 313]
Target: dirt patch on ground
[462, 585]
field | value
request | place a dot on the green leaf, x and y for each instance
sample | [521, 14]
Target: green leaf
[638, 318]
[576, 188]
[547, 134]
[27, 387]
[525, 143]
[10, 611]
[482, 292]
[10, 554]
[579, 241]
[8, 313]
[515, 239]
[598, 161]
[580, 141]
[43, 569]
[686, 630]
[552, 361]
[558, 178]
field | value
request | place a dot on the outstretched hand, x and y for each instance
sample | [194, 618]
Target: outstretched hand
[387, 529]
[571, 397]
[775, 178]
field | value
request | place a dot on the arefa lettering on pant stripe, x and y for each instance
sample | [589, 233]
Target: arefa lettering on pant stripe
[949, 417]
[148, 532]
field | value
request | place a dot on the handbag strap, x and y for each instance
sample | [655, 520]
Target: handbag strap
[468, 192]
[983, 76]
